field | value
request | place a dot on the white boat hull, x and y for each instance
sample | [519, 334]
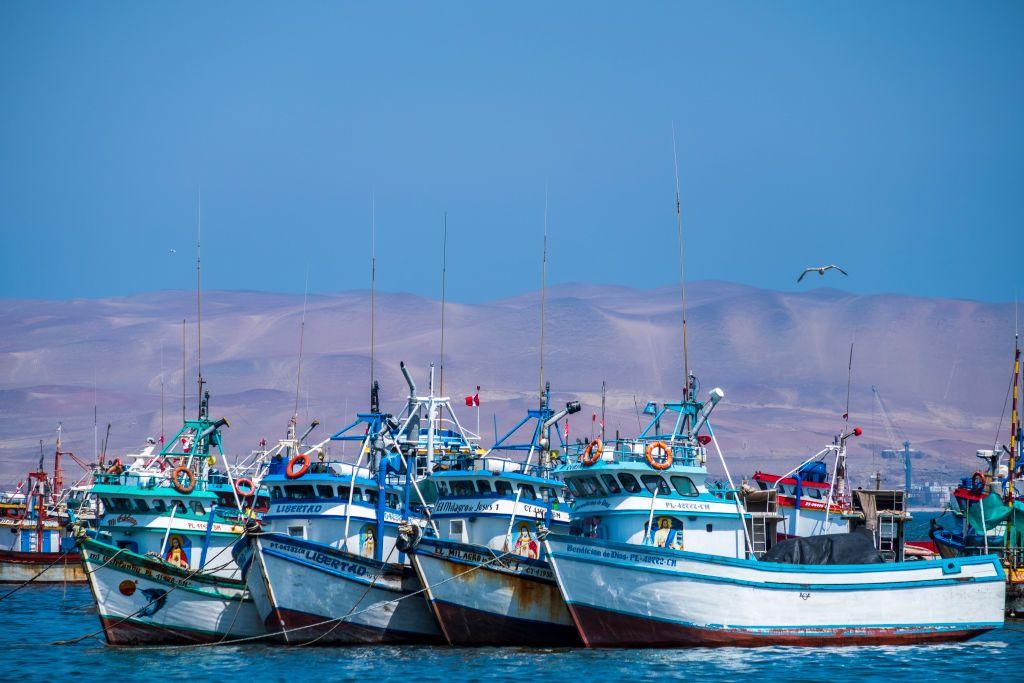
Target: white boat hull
[313, 593]
[142, 600]
[482, 601]
[624, 595]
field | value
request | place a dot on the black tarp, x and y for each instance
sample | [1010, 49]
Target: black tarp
[856, 547]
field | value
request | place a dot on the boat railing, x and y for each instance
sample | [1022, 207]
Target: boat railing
[141, 481]
[635, 450]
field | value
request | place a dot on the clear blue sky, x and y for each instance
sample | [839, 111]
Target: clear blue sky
[883, 136]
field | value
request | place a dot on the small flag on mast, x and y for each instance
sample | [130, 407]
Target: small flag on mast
[474, 400]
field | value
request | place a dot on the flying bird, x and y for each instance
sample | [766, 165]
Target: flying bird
[173, 252]
[820, 270]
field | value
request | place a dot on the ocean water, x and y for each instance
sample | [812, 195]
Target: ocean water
[36, 616]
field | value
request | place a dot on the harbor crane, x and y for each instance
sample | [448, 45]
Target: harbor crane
[897, 439]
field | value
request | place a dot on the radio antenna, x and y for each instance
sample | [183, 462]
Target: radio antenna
[682, 279]
[444, 274]
[183, 370]
[302, 336]
[543, 291]
[373, 289]
[199, 299]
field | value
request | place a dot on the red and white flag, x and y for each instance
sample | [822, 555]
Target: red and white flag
[474, 400]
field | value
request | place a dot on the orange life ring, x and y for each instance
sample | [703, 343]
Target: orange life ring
[592, 453]
[291, 472]
[176, 480]
[115, 467]
[246, 483]
[656, 464]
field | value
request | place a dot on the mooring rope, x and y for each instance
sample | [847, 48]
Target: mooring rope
[12, 592]
[377, 605]
[173, 588]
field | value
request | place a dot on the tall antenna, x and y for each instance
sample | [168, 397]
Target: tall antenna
[682, 279]
[199, 298]
[161, 394]
[95, 415]
[849, 378]
[373, 286]
[302, 336]
[444, 274]
[183, 370]
[543, 290]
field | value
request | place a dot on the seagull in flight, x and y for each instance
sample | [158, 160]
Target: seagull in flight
[173, 252]
[820, 270]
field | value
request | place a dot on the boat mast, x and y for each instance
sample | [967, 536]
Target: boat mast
[682, 279]
[444, 273]
[1014, 422]
[293, 424]
[199, 303]
[373, 303]
[543, 292]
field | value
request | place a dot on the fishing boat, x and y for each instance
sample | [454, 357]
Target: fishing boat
[988, 507]
[37, 546]
[809, 502]
[326, 567]
[664, 562]
[159, 563]
[483, 570]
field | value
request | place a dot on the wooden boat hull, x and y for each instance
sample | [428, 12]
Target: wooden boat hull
[313, 593]
[624, 595]
[144, 601]
[479, 601]
[19, 567]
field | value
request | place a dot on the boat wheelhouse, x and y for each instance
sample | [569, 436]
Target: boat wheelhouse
[483, 567]
[809, 501]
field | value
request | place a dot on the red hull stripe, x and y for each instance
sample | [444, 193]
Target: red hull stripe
[601, 628]
[467, 626]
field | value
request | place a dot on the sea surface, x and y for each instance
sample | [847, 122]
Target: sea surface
[36, 616]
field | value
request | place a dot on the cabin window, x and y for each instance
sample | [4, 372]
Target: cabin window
[391, 500]
[370, 496]
[609, 481]
[179, 507]
[297, 531]
[590, 487]
[276, 492]
[503, 488]
[629, 482]
[462, 487]
[548, 493]
[708, 528]
[813, 492]
[442, 489]
[141, 505]
[655, 483]
[483, 486]
[527, 492]
[762, 485]
[684, 486]
[325, 490]
[197, 507]
[159, 505]
[299, 491]
[574, 487]
[343, 492]
[122, 504]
